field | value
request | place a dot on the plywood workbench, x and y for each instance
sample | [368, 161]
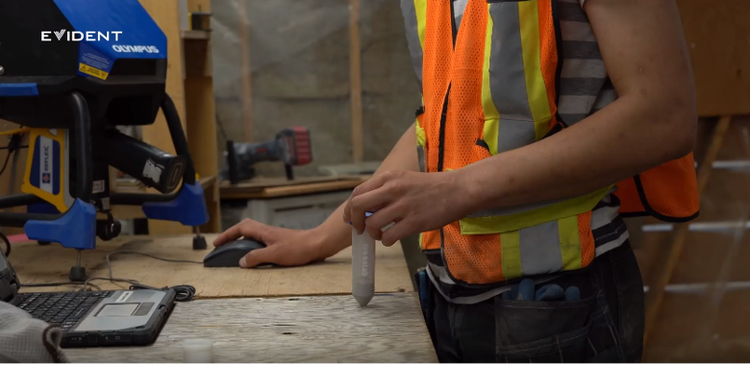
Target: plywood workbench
[320, 329]
[302, 314]
[37, 264]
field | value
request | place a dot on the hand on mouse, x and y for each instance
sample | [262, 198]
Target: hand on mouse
[284, 247]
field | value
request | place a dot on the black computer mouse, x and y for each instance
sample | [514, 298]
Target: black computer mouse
[229, 255]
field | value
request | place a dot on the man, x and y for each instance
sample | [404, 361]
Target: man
[544, 123]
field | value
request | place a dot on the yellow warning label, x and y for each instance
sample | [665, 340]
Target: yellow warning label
[93, 71]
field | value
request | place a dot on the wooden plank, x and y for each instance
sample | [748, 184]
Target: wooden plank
[199, 6]
[201, 126]
[44, 264]
[198, 64]
[196, 35]
[245, 72]
[655, 297]
[355, 81]
[165, 13]
[256, 192]
[717, 34]
[10, 184]
[324, 329]
[213, 204]
[258, 184]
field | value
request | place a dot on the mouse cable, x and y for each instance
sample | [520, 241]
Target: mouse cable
[184, 293]
[7, 244]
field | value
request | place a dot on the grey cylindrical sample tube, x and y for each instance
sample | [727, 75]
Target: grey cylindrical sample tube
[363, 267]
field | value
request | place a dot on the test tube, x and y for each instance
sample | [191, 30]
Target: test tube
[363, 267]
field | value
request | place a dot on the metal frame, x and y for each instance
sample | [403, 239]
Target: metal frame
[84, 167]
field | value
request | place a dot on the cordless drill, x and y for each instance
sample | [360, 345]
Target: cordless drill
[291, 146]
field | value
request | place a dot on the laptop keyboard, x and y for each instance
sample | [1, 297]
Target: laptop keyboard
[63, 309]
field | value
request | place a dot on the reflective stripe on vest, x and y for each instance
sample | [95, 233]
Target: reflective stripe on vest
[414, 12]
[491, 88]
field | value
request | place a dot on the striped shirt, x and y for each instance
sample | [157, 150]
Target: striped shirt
[584, 89]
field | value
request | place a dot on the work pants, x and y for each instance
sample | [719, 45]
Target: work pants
[605, 325]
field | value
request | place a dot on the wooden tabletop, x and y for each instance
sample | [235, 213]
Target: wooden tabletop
[320, 329]
[47, 264]
[264, 188]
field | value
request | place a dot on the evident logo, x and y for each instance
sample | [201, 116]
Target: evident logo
[78, 36]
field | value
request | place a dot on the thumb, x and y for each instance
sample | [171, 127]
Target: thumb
[267, 255]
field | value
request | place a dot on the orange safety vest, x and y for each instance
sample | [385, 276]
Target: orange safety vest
[491, 87]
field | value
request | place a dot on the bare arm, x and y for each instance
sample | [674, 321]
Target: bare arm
[336, 234]
[652, 122]
[292, 247]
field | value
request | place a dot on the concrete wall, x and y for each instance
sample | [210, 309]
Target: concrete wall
[300, 75]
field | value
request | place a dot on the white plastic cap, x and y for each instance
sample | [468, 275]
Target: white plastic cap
[198, 350]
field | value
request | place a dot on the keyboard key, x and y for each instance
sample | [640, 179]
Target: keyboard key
[79, 313]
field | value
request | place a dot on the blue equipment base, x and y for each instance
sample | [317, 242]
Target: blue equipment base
[188, 208]
[76, 229]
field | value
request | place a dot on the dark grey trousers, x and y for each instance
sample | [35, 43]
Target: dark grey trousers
[606, 325]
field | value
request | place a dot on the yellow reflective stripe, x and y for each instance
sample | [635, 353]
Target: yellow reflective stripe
[501, 224]
[491, 115]
[528, 13]
[570, 243]
[421, 135]
[510, 244]
[421, 9]
[420, 241]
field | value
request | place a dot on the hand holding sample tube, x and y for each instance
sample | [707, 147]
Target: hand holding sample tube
[363, 266]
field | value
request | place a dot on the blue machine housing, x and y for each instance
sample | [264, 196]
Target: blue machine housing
[112, 52]
[88, 66]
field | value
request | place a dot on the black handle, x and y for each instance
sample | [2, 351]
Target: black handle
[178, 138]
[82, 130]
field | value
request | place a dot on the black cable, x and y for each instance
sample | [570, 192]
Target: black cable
[184, 292]
[5, 164]
[7, 244]
[14, 144]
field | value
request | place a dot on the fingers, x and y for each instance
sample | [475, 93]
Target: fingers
[231, 234]
[397, 232]
[347, 208]
[247, 228]
[381, 220]
[267, 255]
[282, 255]
[370, 201]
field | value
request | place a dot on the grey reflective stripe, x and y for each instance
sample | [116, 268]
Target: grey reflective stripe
[420, 157]
[459, 7]
[441, 273]
[603, 216]
[508, 79]
[540, 249]
[412, 37]
[514, 134]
